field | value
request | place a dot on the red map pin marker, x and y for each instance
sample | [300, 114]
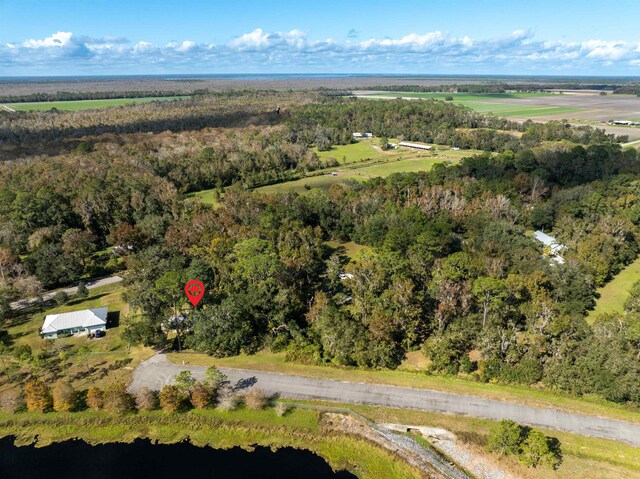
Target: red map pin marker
[194, 290]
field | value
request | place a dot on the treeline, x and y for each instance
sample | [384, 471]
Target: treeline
[87, 95]
[627, 90]
[431, 121]
[313, 118]
[185, 394]
[493, 87]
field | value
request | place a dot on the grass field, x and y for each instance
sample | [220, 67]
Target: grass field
[217, 429]
[522, 106]
[275, 362]
[76, 105]
[616, 291]
[361, 161]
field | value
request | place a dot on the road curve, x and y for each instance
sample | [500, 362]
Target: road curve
[158, 371]
[23, 303]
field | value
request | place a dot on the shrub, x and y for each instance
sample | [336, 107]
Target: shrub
[539, 449]
[201, 396]
[64, 397]
[61, 298]
[95, 398]
[256, 399]
[215, 377]
[282, 408]
[22, 352]
[228, 400]
[147, 400]
[172, 399]
[38, 396]
[529, 445]
[82, 291]
[185, 381]
[117, 400]
[12, 401]
[506, 438]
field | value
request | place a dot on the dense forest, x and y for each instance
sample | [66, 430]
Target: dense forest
[448, 265]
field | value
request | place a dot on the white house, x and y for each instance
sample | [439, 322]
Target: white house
[85, 321]
[551, 246]
[357, 135]
[419, 146]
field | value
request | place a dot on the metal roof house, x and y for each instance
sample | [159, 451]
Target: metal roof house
[419, 146]
[551, 245]
[85, 321]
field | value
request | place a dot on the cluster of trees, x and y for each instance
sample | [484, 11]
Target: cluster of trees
[447, 264]
[185, 394]
[529, 445]
[431, 121]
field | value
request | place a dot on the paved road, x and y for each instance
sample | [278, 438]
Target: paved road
[23, 303]
[158, 371]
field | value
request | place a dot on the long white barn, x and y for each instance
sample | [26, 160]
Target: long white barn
[85, 321]
[419, 146]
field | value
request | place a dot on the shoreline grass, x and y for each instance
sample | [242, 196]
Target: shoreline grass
[244, 428]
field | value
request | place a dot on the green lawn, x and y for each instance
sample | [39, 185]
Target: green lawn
[616, 291]
[520, 106]
[83, 361]
[345, 154]
[75, 105]
[211, 197]
[275, 362]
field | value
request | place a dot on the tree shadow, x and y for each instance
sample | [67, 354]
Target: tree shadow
[75, 301]
[245, 383]
[113, 319]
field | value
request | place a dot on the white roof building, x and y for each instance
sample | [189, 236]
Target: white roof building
[419, 146]
[552, 244]
[84, 321]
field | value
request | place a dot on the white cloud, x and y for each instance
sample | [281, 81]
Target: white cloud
[259, 50]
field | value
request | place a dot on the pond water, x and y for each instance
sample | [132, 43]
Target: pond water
[144, 460]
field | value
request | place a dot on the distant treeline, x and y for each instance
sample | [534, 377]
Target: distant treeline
[506, 87]
[88, 95]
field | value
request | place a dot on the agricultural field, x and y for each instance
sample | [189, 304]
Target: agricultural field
[616, 291]
[76, 105]
[500, 104]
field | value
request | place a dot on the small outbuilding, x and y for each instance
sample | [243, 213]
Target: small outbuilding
[84, 322]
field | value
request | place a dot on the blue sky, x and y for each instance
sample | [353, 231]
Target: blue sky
[568, 37]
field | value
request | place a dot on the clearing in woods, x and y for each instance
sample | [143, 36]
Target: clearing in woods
[615, 292]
